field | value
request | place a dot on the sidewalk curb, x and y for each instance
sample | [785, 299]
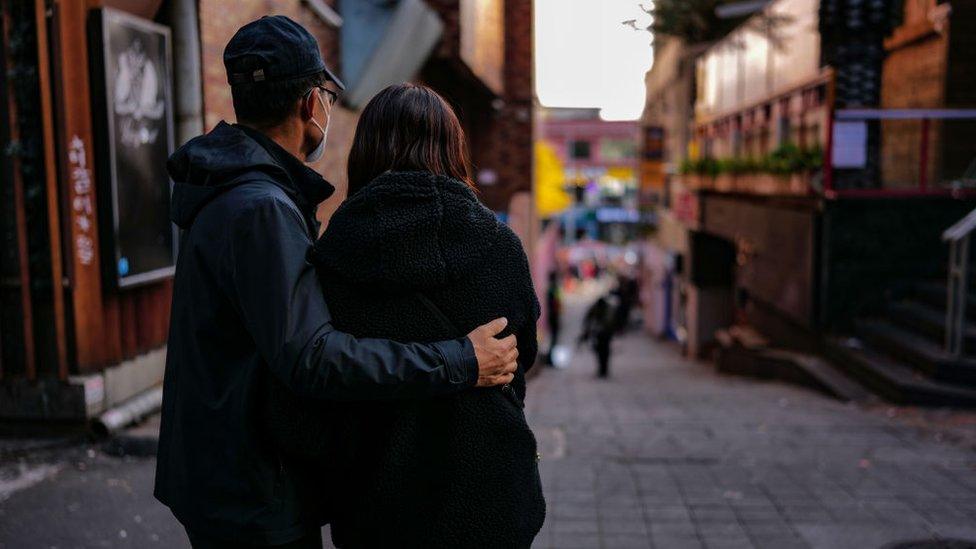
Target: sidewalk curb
[136, 446]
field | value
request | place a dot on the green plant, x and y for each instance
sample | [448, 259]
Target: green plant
[787, 159]
[702, 21]
[738, 166]
[694, 21]
[813, 158]
[700, 166]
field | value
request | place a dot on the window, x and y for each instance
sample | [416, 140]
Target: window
[618, 149]
[579, 150]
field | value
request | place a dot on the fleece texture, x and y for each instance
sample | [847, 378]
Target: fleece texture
[416, 257]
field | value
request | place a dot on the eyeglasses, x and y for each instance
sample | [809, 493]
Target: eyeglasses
[333, 96]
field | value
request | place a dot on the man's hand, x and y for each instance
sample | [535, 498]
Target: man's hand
[496, 357]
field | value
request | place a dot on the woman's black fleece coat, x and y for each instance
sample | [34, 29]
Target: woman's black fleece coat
[457, 471]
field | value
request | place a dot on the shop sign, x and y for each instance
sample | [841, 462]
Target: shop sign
[134, 122]
[82, 206]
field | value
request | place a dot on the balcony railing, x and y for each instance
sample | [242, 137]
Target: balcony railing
[900, 152]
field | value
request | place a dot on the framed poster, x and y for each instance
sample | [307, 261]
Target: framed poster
[133, 106]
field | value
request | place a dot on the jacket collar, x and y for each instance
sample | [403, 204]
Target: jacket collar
[306, 185]
[408, 230]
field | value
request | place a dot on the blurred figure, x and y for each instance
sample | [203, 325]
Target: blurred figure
[599, 327]
[628, 294]
[574, 271]
[554, 306]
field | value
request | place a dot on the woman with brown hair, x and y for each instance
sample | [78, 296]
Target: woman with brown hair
[412, 255]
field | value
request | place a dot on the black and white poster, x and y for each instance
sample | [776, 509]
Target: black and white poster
[133, 99]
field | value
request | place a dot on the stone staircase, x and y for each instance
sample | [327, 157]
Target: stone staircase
[899, 353]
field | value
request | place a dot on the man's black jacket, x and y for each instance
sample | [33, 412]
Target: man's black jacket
[246, 306]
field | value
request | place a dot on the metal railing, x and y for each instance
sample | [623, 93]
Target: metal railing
[957, 289]
[916, 165]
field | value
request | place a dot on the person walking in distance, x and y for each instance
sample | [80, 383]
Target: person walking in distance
[554, 311]
[599, 327]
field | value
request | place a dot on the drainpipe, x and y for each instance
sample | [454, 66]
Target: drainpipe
[129, 412]
[188, 96]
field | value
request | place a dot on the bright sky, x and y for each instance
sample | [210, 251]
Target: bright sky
[585, 57]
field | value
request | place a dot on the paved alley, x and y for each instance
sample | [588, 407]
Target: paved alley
[665, 454]
[669, 454]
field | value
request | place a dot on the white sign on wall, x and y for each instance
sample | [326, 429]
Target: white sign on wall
[850, 144]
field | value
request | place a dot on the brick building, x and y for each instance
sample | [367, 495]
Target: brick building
[79, 333]
[929, 51]
[808, 212]
[599, 163]
[494, 101]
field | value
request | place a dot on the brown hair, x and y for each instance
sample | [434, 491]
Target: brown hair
[407, 127]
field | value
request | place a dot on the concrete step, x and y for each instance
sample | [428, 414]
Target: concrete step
[917, 350]
[927, 320]
[744, 352]
[934, 294]
[893, 380]
[818, 373]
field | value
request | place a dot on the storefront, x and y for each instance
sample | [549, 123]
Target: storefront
[96, 95]
[91, 120]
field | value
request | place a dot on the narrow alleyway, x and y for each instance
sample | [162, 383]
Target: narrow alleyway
[669, 454]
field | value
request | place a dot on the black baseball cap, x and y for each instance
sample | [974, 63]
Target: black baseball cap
[272, 49]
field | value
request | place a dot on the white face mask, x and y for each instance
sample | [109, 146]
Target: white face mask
[319, 149]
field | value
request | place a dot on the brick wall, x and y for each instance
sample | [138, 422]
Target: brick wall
[220, 19]
[913, 76]
[450, 15]
[958, 137]
[500, 132]
[930, 65]
[506, 146]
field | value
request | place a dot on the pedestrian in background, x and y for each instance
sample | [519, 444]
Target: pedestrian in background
[628, 295]
[554, 311]
[599, 327]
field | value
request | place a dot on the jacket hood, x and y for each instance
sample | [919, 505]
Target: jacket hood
[408, 230]
[210, 164]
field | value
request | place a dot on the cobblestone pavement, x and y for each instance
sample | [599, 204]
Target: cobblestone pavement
[669, 454]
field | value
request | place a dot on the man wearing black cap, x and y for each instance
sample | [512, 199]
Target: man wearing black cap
[247, 306]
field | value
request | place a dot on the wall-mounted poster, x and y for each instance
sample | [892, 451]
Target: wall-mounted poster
[132, 96]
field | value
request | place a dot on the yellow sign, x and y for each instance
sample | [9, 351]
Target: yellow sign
[623, 173]
[550, 197]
